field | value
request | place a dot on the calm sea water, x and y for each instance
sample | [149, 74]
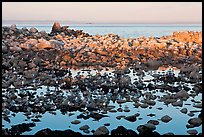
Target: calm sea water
[124, 30]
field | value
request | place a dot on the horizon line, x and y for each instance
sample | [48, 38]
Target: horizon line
[89, 22]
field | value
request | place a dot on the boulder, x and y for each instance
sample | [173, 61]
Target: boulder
[85, 127]
[120, 130]
[195, 122]
[44, 44]
[31, 42]
[48, 131]
[166, 119]
[56, 27]
[101, 131]
[184, 110]
[150, 126]
[146, 131]
[199, 105]
[56, 43]
[131, 118]
[155, 122]
[33, 30]
[192, 132]
[182, 94]
[13, 27]
[75, 122]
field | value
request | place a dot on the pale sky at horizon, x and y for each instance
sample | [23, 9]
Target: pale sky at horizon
[105, 12]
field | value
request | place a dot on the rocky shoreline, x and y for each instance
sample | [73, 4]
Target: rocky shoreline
[31, 59]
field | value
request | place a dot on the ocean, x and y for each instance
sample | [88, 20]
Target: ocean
[123, 30]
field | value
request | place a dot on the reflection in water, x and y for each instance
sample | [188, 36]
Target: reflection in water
[99, 97]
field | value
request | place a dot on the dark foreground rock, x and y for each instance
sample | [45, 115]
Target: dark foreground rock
[120, 130]
[18, 129]
[50, 132]
[101, 131]
[146, 130]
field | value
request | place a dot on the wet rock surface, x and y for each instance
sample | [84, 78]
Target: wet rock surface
[101, 131]
[120, 130]
[166, 118]
[195, 121]
[62, 62]
[147, 130]
[192, 132]
[18, 129]
[48, 131]
[85, 127]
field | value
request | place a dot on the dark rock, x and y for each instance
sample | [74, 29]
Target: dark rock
[85, 127]
[182, 94]
[189, 126]
[21, 128]
[146, 131]
[101, 131]
[151, 86]
[136, 104]
[97, 116]
[144, 105]
[48, 131]
[178, 103]
[120, 130]
[169, 133]
[166, 119]
[83, 116]
[200, 115]
[121, 101]
[131, 118]
[107, 124]
[151, 115]
[155, 122]
[150, 102]
[191, 114]
[5, 132]
[126, 110]
[184, 110]
[35, 120]
[119, 117]
[75, 122]
[199, 105]
[120, 110]
[159, 108]
[150, 126]
[196, 122]
[126, 71]
[192, 132]
[113, 111]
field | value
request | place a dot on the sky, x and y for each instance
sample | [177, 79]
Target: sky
[105, 12]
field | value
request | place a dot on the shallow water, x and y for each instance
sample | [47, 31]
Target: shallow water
[63, 121]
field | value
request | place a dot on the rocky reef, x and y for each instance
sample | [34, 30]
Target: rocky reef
[32, 59]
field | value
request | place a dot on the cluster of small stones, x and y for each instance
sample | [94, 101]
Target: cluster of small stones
[81, 49]
[31, 59]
